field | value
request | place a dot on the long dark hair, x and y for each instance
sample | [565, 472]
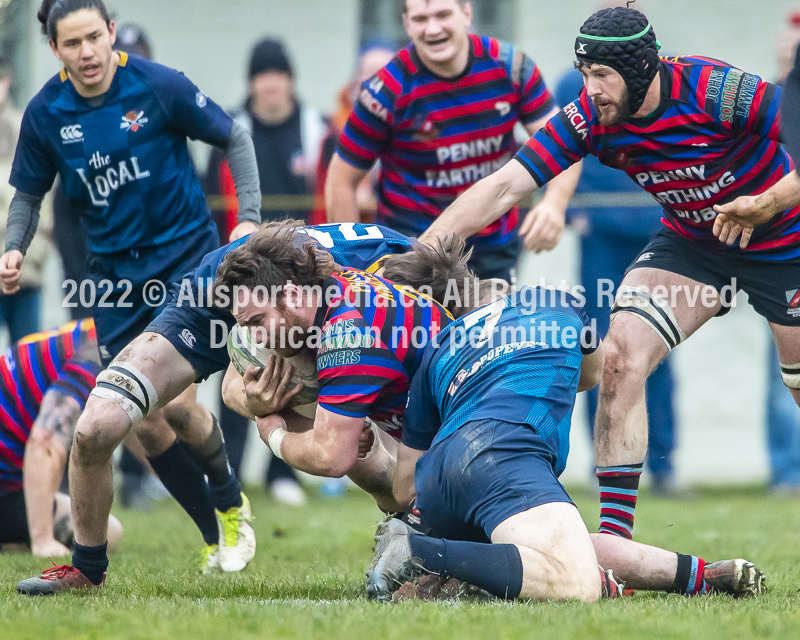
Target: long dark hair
[52, 11]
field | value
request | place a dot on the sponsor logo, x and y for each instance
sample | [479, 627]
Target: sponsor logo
[104, 352]
[793, 297]
[645, 257]
[115, 176]
[202, 99]
[133, 121]
[699, 144]
[187, 337]
[373, 105]
[581, 48]
[503, 107]
[71, 133]
[576, 119]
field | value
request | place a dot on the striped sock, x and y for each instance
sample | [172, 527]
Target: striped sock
[689, 577]
[619, 488]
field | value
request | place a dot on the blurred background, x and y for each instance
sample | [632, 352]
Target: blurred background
[720, 394]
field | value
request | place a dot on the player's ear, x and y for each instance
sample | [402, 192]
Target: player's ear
[466, 7]
[292, 295]
[54, 49]
[112, 32]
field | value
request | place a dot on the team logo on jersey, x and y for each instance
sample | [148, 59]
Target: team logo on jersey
[426, 130]
[645, 257]
[133, 121]
[202, 99]
[187, 337]
[793, 297]
[503, 107]
[71, 133]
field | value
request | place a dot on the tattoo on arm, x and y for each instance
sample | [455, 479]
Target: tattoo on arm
[58, 415]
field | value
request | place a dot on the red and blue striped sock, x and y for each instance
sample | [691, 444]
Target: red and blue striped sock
[619, 488]
[689, 577]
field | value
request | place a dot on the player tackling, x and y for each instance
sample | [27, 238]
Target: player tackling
[694, 133]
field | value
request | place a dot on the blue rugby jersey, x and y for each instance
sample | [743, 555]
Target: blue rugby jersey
[124, 162]
[517, 360]
[435, 136]
[713, 138]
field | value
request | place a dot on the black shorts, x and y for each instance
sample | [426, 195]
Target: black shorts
[772, 287]
[13, 519]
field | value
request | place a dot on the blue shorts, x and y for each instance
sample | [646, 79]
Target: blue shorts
[199, 333]
[483, 474]
[118, 325]
[772, 286]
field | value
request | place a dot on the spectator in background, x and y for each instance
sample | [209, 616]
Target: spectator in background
[21, 312]
[371, 59]
[782, 414]
[287, 136]
[615, 219]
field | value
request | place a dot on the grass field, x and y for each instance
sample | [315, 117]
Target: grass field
[307, 581]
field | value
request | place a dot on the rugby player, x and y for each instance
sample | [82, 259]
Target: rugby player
[485, 437]
[439, 117]
[115, 128]
[45, 379]
[695, 133]
[366, 334]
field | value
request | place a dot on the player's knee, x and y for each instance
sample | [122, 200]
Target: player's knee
[99, 431]
[623, 360]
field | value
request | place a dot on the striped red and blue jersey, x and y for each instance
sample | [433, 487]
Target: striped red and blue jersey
[37, 363]
[713, 138]
[372, 337]
[437, 136]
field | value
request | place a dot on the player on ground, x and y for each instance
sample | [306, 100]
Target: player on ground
[440, 117]
[45, 379]
[366, 334]
[487, 430]
[115, 128]
[695, 133]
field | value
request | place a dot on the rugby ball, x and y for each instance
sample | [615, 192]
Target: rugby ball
[243, 352]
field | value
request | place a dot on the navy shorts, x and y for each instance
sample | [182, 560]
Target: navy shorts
[199, 333]
[772, 286]
[483, 474]
[118, 325]
[13, 519]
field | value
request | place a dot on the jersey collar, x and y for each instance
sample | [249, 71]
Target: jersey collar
[123, 60]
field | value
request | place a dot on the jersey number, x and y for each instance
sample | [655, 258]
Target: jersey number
[348, 231]
[490, 314]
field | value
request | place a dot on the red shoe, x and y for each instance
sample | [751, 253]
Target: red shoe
[611, 588]
[57, 579]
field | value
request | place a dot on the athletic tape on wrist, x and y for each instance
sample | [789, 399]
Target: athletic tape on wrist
[275, 439]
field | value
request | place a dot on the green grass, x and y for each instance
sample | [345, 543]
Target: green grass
[307, 581]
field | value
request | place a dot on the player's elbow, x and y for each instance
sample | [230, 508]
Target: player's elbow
[336, 463]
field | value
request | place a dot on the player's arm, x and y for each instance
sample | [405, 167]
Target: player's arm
[591, 369]
[403, 485]
[233, 393]
[45, 460]
[23, 218]
[241, 155]
[328, 450]
[341, 190]
[544, 225]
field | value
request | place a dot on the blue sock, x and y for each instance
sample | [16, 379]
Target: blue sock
[226, 496]
[497, 568]
[90, 561]
[212, 459]
[187, 484]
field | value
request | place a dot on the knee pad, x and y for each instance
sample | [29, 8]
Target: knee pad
[791, 375]
[651, 309]
[129, 387]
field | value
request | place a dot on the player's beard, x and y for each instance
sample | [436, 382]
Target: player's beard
[288, 343]
[617, 115]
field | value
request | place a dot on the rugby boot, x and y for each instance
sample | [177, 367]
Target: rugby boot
[393, 563]
[237, 540]
[433, 587]
[739, 578]
[209, 559]
[610, 587]
[57, 579]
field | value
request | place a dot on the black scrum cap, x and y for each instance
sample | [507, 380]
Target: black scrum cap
[622, 39]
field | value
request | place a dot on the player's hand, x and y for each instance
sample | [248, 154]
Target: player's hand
[46, 548]
[10, 274]
[543, 227]
[242, 229]
[740, 217]
[269, 390]
[366, 440]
